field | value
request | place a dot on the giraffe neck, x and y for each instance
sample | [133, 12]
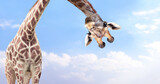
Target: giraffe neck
[27, 28]
[84, 6]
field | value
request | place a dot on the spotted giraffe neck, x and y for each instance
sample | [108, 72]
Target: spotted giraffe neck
[27, 28]
[84, 6]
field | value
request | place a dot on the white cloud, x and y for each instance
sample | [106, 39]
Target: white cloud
[154, 49]
[153, 27]
[141, 26]
[146, 58]
[156, 21]
[114, 61]
[80, 75]
[4, 24]
[81, 65]
[155, 45]
[124, 69]
[148, 74]
[147, 29]
[8, 23]
[2, 59]
[15, 26]
[147, 12]
[145, 22]
[147, 32]
[53, 58]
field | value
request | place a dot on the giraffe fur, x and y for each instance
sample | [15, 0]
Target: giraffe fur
[24, 57]
[95, 25]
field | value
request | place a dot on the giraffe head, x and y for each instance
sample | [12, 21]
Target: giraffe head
[98, 29]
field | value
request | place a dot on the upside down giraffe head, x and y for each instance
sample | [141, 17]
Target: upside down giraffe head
[98, 29]
[96, 26]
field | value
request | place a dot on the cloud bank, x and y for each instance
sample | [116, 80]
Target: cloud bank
[116, 68]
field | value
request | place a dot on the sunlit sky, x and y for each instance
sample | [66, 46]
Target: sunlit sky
[133, 58]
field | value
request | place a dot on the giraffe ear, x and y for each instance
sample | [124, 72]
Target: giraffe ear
[88, 39]
[114, 26]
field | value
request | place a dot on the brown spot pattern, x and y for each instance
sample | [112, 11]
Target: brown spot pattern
[33, 22]
[80, 5]
[21, 33]
[23, 51]
[39, 75]
[21, 46]
[17, 76]
[32, 49]
[33, 55]
[74, 1]
[20, 56]
[14, 61]
[20, 71]
[22, 60]
[26, 35]
[10, 56]
[15, 54]
[26, 54]
[29, 32]
[29, 26]
[44, 3]
[16, 69]
[21, 79]
[18, 41]
[35, 80]
[38, 58]
[34, 41]
[37, 47]
[30, 36]
[37, 14]
[24, 39]
[20, 66]
[40, 8]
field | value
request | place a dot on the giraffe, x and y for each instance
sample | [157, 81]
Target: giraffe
[96, 26]
[24, 58]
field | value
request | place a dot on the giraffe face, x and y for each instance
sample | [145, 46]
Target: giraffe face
[95, 25]
[98, 29]
[95, 29]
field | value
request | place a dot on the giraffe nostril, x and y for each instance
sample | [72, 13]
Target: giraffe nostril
[110, 40]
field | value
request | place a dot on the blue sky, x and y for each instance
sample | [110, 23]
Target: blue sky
[132, 58]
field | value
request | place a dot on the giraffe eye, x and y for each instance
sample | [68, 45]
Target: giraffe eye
[105, 24]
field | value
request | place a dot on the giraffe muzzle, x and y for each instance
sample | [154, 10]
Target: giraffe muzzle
[102, 45]
[111, 40]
